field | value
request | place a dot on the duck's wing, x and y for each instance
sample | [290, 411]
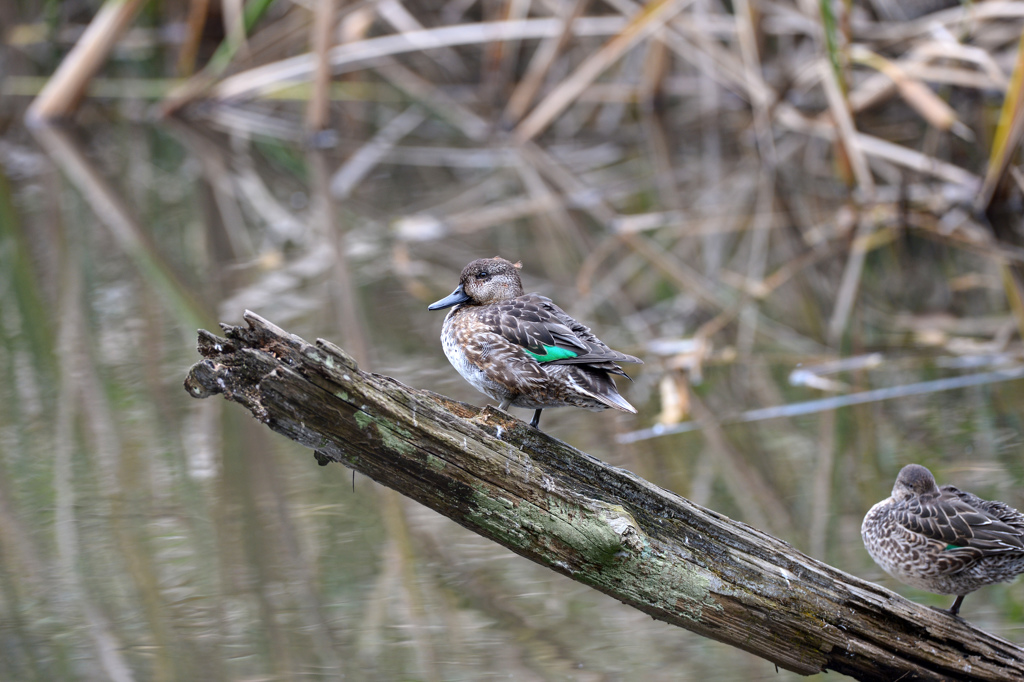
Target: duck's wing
[550, 335]
[482, 345]
[995, 527]
[962, 522]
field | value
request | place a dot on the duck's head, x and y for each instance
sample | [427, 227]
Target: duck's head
[913, 480]
[486, 280]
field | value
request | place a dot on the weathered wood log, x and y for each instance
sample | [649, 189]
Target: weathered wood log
[599, 525]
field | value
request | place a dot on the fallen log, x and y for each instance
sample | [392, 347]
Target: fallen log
[600, 525]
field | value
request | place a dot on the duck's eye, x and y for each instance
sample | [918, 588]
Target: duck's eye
[482, 275]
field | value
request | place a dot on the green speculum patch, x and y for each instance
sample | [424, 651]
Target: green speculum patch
[551, 353]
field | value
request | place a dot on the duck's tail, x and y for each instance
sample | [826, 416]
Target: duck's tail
[600, 386]
[614, 400]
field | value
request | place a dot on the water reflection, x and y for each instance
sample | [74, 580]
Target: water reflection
[146, 535]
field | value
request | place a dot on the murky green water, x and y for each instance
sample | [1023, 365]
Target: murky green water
[147, 535]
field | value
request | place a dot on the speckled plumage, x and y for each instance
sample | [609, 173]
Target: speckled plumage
[523, 350]
[943, 540]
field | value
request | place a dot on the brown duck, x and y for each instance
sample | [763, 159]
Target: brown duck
[523, 350]
[943, 540]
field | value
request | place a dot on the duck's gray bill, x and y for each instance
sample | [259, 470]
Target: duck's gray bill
[457, 296]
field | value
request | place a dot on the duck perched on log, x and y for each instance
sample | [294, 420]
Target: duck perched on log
[523, 350]
[943, 540]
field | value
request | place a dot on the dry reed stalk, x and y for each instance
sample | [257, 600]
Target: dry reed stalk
[916, 94]
[274, 40]
[66, 87]
[197, 11]
[500, 57]
[639, 28]
[961, 78]
[908, 158]
[277, 37]
[403, 21]
[684, 276]
[879, 87]
[234, 23]
[846, 131]
[949, 49]
[549, 49]
[870, 145]
[966, 19]
[319, 101]
[259, 81]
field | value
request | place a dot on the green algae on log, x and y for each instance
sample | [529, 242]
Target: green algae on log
[599, 525]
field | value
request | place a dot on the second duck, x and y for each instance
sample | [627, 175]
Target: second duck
[943, 540]
[523, 350]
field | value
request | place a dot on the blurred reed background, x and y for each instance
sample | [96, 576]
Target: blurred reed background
[772, 203]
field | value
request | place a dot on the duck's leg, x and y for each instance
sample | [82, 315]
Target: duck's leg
[504, 404]
[955, 608]
[535, 423]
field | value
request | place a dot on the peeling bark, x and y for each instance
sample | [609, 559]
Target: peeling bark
[599, 525]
